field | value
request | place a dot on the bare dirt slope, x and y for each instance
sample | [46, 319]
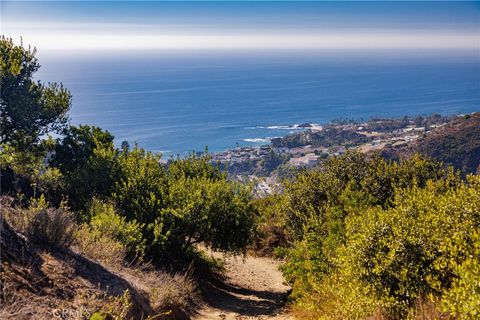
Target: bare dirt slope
[253, 288]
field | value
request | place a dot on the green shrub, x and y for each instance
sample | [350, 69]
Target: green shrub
[108, 237]
[86, 158]
[463, 298]
[139, 189]
[370, 236]
[420, 247]
[190, 202]
[269, 233]
[215, 212]
[107, 222]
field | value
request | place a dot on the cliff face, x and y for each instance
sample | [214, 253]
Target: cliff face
[456, 144]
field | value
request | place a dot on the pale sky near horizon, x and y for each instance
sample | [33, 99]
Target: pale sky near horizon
[155, 25]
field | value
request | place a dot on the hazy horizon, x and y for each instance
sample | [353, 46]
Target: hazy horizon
[86, 27]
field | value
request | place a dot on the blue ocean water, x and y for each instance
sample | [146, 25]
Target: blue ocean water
[177, 103]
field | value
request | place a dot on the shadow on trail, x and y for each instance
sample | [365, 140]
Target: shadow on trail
[245, 302]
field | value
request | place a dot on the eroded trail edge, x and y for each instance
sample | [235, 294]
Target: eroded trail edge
[253, 288]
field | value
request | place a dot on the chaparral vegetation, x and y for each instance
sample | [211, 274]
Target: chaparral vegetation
[360, 236]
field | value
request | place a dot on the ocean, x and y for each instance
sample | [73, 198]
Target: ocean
[176, 103]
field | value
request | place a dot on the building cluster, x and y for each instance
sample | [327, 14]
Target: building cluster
[242, 154]
[309, 156]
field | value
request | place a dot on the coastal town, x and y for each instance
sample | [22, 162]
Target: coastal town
[305, 149]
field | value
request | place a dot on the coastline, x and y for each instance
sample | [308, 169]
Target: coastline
[266, 164]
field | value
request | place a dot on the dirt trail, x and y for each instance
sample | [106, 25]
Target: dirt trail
[253, 288]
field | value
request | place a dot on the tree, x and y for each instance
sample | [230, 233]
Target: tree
[125, 145]
[28, 109]
[77, 145]
[86, 158]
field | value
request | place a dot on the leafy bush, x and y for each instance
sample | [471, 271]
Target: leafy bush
[463, 298]
[106, 222]
[217, 213]
[86, 158]
[406, 252]
[316, 204]
[108, 237]
[140, 186]
[190, 202]
[269, 233]
[374, 236]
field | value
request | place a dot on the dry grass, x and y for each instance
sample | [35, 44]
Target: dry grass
[13, 305]
[429, 310]
[424, 309]
[327, 308]
[85, 303]
[91, 279]
[166, 292]
[167, 295]
[51, 226]
[89, 304]
[42, 225]
[98, 247]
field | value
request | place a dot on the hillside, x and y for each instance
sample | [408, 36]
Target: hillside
[457, 143]
[40, 282]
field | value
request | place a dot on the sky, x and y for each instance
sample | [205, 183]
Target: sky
[93, 26]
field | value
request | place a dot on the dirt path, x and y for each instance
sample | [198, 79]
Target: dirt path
[253, 288]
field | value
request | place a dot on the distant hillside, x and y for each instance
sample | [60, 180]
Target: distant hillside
[328, 137]
[456, 143]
